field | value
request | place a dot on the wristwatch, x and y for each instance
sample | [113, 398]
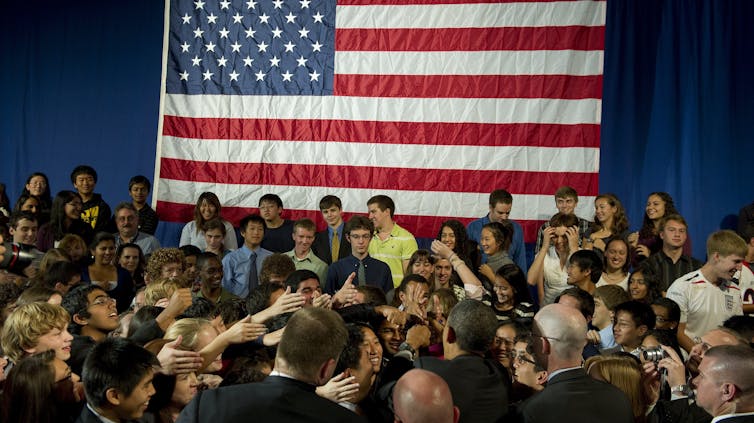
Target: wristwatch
[681, 390]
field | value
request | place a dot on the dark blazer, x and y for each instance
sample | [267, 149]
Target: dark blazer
[276, 399]
[87, 416]
[572, 396]
[477, 386]
[321, 247]
[737, 419]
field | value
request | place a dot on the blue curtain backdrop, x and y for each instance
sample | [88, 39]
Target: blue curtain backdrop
[80, 83]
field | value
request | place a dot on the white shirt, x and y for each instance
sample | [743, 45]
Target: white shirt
[704, 306]
[623, 283]
[555, 277]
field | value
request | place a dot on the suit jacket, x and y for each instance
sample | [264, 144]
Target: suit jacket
[276, 399]
[477, 386]
[572, 396]
[321, 247]
[87, 416]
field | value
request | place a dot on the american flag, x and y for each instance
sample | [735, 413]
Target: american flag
[432, 102]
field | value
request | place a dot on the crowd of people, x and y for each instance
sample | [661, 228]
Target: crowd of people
[274, 320]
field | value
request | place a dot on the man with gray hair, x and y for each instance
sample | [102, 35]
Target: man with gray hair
[287, 395]
[127, 221]
[423, 397]
[725, 384]
[559, 333]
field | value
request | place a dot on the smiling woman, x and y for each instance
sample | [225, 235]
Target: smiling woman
[103, 272]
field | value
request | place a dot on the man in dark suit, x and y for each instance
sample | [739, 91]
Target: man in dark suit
[332, 211]
[570, 395]
[725, 384]
[476, 384]
[118, 381]
[287, 395]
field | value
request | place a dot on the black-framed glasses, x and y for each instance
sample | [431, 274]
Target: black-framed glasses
[520, 358]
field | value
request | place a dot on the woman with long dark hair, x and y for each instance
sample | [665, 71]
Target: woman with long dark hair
[65, 218]
[207, 208]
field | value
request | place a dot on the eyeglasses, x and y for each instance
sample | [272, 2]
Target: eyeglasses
[519, 357]
[102, 300]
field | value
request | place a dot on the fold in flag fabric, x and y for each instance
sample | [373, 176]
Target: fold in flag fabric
[432, 102]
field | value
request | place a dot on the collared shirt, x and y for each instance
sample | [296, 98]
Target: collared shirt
[607, 339]
[377, 273]
[310, 262]
[148, 243]
[236, 267]
[559, 371]
[398, 246]
[704, 305]
[667, 271]
[725, 416]
[339, 230]
[102, 418]
[516, 251]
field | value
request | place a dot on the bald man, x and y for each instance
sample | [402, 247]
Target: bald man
[725, 384]
[423, 397]
[559, 333]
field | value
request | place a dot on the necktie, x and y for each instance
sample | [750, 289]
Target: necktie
[335, 246]
[253, 278]
[362, 274]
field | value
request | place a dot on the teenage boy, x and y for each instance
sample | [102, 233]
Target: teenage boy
[210, 276]
[301, 254]
[242, 267]
[746, 278]
[93, 317]
[566, 200]
[331, 244]
[118, 382]
[584, 270]
[633, 319]
[278, 234]
[391, 243]
[606, 298]
[95, 210]
[34, 328]
[709, 296]
[670, 263]
[23, 228]
[138, 188]
[368, 270]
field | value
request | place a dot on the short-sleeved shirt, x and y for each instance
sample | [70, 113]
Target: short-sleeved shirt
[704, 306]
[666, 271]
[310, 262]
[398, 246]
[236, 267]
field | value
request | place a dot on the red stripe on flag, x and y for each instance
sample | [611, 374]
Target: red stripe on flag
[471, 39]
[428, 133]
[419, 226]
[468, 86]
[377, 178]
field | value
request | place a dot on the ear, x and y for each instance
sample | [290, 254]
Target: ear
[542, 377]
[113, 396]
[642, 330]
[728, 391]
[456, 414]
[450, 334]
[11, 231]
[80, 320]
[325, 371]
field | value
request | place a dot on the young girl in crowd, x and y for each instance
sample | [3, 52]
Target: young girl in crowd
[65, 218]
[207, 208]
[610, 221]
[616, 264]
